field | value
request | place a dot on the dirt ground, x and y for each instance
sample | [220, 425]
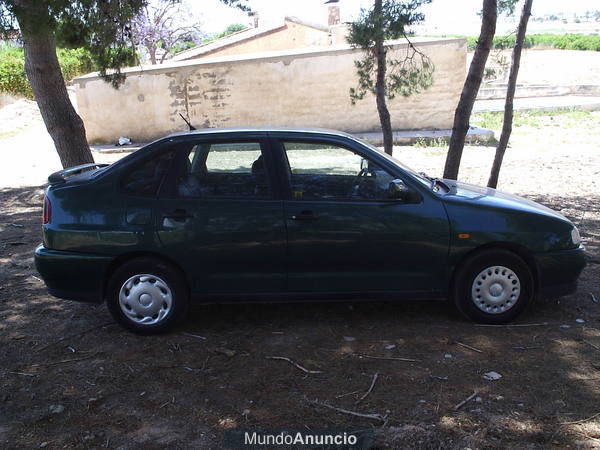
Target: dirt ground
[70, 378]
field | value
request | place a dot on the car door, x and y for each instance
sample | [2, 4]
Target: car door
[344, 233]
[219, 217]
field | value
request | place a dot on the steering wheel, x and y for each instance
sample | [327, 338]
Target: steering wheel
[360, 179]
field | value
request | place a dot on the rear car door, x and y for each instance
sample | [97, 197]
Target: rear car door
[219, 217]
[343, 232]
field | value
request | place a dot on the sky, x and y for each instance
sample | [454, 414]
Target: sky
[216, 16]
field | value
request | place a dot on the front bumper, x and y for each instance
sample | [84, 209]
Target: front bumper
[71, 275]
[558, 271]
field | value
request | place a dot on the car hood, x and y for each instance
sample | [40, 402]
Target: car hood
[484, 196]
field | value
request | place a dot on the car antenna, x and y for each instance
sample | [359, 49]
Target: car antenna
[192, 127]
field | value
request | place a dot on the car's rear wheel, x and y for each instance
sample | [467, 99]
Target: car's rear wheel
[147, 296]
[493, 286]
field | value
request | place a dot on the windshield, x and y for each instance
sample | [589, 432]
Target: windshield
[422, 178]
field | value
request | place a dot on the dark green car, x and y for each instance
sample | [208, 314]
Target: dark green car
[254, 214]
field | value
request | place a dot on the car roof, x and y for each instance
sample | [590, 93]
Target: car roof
[241, 130]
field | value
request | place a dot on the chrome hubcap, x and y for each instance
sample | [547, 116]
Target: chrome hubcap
[496, 289]
[145, 299]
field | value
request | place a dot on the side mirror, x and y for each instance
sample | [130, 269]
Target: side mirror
[397, 190]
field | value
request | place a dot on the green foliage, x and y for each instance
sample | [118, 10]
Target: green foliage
[558, 41]
[73, 62]
[409, 71]
[507, 6]
[103, 27]
[181, 46]
[233, 28]
[565, 118]
[567, 41]
[12, 72]
[390, 24]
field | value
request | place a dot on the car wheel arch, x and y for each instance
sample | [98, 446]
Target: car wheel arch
[127, 257]
[522, 252]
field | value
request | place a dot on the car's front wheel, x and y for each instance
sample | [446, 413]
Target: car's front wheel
[493, 286]
[147, 296]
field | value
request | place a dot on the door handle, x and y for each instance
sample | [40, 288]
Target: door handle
[305, 215]
[177, 214]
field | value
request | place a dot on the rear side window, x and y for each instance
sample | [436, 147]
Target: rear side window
[219, 170]
[147, 178]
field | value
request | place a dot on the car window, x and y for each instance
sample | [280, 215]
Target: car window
[328, 172]
[147, 177]
[224, 170]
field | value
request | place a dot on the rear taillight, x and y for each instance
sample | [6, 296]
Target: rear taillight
[47, 214]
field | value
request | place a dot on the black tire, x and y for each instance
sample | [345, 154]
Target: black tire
[514, 294]
[165, 287]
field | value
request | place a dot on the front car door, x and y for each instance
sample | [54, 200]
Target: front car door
[344, 233]
[218, 215]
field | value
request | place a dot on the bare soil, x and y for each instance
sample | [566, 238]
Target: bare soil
[70, 378]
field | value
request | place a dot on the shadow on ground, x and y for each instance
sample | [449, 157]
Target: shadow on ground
[71, 378]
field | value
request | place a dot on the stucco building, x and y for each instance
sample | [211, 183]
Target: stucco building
[291, 34]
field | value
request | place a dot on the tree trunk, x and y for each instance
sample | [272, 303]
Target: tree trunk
[382, 109]
[470, 89]
[43, 72]
[152, 53]
[510, 94]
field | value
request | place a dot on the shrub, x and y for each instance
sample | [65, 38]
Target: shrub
[74, 62]
[12, 72]
[559, 41]
[12, 68]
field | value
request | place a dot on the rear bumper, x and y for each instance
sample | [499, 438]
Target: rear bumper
[71, 275]
[558, 271]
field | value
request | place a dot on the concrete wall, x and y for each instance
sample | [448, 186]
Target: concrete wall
[307, 88]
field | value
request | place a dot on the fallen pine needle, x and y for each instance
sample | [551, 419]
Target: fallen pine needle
[75, 335]
[515, 325]
[465, 401]
[387, 358]
[194, 335]
[527, 347]
[303, 369]
[581, 421]
[64, 361]
[469, 347]
[347, 394]
[25, 374]
[370, 389]
[591, 345]
[378, 417]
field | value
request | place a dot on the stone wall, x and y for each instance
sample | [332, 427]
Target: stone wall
[302, 88]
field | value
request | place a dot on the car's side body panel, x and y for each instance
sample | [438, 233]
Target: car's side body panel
[250, 247]
[72, 275]
[225, 245]
[228, 246]
[360, 246]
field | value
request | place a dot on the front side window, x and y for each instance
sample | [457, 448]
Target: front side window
[328, 172]
[223, 170]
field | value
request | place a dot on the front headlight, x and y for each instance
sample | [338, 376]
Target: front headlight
[575, 238]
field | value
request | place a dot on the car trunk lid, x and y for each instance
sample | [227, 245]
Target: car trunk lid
[62, 175]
